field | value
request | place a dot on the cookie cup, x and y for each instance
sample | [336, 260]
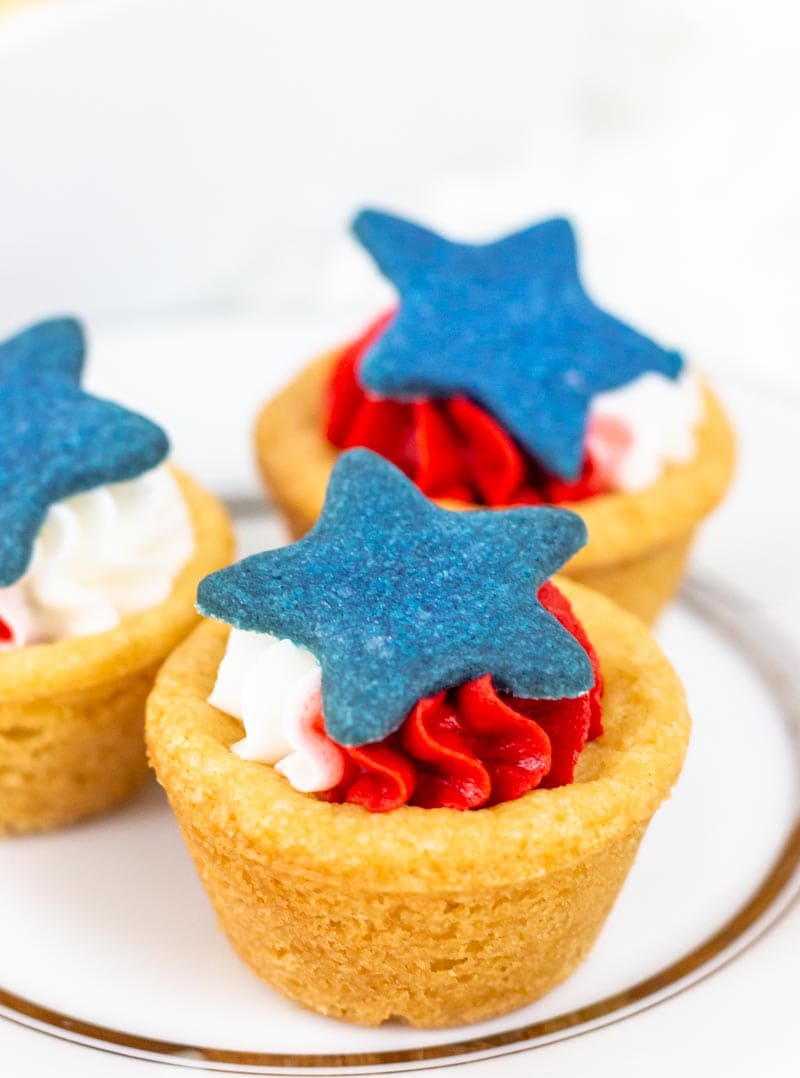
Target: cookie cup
[72, 712]
[433, 916]
[638, 543]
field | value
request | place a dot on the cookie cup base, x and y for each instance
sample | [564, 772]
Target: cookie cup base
[643, 585]
[72, 712]
[432, 916]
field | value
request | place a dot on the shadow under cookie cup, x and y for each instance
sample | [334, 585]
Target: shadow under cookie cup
[72, 712]
[638, 542]
[435, 916]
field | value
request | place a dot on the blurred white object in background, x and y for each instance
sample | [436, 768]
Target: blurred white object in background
[174, 151]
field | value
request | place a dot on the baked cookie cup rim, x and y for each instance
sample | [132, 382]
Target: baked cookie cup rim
[622, 525]
[140, 639]
[622, 778]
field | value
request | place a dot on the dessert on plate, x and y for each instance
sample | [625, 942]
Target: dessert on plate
[411, 769]
[497, 381]
[101, 547]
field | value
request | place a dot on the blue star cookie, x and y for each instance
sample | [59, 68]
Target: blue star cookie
[508, 324]
[56, 440]
[398, 599]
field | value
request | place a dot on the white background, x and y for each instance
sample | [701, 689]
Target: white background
[161, 156]
[181, 173]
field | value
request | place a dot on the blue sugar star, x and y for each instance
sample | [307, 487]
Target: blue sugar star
[56, 440]
[398, 599]
[506, 323]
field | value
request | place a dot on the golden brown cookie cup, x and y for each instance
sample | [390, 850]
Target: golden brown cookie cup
[638, 543]
[434, 916]
[72, 712]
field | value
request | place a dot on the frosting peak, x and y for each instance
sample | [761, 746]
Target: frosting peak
[638, 429]
[454, 449]
[508, 324]
[275, 688]
[463, 748]
[100, 555]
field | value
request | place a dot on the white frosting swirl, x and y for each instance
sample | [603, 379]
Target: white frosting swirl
[638, 429]
[112, 551]
[274, 687]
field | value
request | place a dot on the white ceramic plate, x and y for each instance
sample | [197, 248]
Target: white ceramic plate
[106, 938]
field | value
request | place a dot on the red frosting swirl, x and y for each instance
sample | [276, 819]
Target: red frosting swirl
[449, 448]
[472, 746]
